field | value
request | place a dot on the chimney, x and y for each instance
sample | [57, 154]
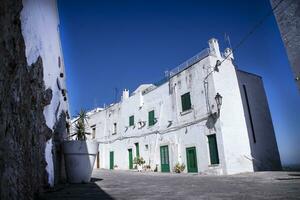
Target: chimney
[214, 47]
[125, 94]
[228, 53]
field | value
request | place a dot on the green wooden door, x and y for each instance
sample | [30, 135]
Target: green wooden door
[130, 158]
[137, 149]
[164, 159]
[111, 160]
[191, 159]
[213, 149]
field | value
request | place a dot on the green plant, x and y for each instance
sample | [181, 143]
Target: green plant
[148, 167]
[138, 161]
[80, 122]
[179, 168]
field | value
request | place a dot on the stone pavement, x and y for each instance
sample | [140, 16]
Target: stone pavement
[150, 185]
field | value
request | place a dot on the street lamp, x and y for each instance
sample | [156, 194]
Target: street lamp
[218, 99]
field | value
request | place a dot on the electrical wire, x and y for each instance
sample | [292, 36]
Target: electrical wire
[254, 28]
[246, 37]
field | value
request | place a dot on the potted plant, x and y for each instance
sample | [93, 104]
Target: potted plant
[179, 168]
[80, 153]
[139, 161]
[147, 168]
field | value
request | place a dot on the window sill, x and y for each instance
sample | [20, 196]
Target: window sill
[186, 112]
[214, 165]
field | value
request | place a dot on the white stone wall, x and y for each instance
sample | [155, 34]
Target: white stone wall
[178, 129]
[40, 29]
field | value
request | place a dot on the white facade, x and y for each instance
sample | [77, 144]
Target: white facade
[40, 29]
[180, 129]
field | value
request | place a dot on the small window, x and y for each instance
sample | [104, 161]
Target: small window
[114, 129]
[186, 102]
[93, 131]
[131, 120]
[213, 149]
[151, 119]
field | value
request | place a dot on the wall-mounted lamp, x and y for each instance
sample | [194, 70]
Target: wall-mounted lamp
[218, 99]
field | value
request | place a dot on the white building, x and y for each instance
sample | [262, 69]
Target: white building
[178, 121]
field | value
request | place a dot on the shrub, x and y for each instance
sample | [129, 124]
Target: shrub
[179, 168]
[138, 161]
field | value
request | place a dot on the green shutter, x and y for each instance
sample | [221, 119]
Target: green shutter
[213, 149]
[137, 148]
[186, 101]
[151, 121]
[131, 120]
[111, 160]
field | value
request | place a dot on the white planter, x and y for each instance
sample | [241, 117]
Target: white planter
[79, 160]
[139, 168]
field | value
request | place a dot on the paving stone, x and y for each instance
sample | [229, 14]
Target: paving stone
[150, 185]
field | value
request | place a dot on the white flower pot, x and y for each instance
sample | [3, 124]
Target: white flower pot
[80, 159]
[139, 168]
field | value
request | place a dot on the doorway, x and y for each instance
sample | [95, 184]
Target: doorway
[111, 160]
[130, 158]
[164, 159]
[191, 159]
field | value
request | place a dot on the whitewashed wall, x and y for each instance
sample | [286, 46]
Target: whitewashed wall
[40, 29]
[232, 120]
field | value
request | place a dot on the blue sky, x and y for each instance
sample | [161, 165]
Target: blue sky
[122, 44]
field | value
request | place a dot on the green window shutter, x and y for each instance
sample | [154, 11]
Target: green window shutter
[186, 101]
[131, 120]
[137, 148]
[213, 149]
[151, 119]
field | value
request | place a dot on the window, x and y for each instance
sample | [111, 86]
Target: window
[131, 120]
[186, 102]
[93, 131]
[151, 119]
[213, 149]
[114, 129]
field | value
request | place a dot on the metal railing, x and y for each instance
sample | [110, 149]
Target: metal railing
[199, 56]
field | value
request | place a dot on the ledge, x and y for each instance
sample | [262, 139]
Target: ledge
[214, 165]
[186, 112]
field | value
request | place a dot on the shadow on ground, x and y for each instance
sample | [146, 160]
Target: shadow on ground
[77, 191]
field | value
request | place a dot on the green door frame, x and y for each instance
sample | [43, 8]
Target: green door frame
[164, 158]
[111, 160]
[130, 158]
[191, 159]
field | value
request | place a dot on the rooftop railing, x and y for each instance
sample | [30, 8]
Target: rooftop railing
[199, 56]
